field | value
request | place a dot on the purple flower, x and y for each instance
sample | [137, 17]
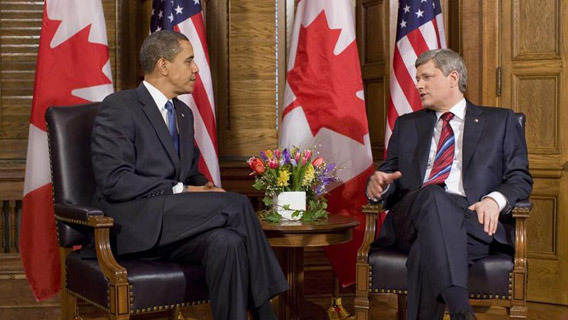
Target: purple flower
[327, 180]
[285, 156]
[320, 190]
[263, 156]
[329, 167]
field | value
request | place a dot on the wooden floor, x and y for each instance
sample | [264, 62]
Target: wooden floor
[382, 308]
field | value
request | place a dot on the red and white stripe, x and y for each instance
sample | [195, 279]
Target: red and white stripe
[202, 101]
[404, 97]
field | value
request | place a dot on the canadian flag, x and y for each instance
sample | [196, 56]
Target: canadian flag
[73, 67]
[324, 107]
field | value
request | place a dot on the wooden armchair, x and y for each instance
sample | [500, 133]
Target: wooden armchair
[119, 287]
[493, 281]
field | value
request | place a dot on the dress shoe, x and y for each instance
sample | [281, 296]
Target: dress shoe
[463, 315]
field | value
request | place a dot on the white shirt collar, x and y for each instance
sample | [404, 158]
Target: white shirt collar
[458, 110]
[159, 98]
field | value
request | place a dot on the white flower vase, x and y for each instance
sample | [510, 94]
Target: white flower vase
[296, 200]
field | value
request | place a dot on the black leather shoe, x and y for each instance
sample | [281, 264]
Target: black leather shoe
[463, 315]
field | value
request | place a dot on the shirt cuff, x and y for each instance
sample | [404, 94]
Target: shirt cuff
[178, 188]
[499, 198]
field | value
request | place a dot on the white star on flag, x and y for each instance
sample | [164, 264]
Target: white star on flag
[419, 13]
[179, 9]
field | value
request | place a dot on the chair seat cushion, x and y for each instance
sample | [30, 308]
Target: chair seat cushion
[154, 285]
[488, 277]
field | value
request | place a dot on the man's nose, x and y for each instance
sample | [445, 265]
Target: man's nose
[419, 84]
[195, 68]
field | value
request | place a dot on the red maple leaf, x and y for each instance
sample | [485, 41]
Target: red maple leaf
[75, 63]
[325, 84]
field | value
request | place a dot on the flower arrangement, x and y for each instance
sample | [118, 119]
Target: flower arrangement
[278, 171]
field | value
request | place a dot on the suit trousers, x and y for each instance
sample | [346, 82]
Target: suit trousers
[443, 238]
[240, 267]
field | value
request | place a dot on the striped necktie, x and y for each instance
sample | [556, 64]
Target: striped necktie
[172, 124]
[444, 153]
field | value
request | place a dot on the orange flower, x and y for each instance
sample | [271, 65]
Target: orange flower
[256, 165]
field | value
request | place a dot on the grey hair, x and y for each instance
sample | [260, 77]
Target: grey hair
[160, 44]
[447, 61]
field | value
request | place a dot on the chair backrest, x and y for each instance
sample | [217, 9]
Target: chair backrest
[69, 135]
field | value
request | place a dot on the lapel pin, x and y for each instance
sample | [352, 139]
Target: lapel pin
[183, 116]
[476, 120]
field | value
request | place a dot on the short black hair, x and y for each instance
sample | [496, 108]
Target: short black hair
[160, 44]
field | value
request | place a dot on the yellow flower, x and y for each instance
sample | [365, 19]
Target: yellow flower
[283, 177]
[309, 175]
[269, 153]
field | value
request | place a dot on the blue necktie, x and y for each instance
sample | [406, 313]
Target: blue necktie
[172, 124]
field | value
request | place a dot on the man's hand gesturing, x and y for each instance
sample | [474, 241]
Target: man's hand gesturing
[379, 181]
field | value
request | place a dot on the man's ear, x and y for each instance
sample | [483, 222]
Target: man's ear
[454, 77]
[162, 66]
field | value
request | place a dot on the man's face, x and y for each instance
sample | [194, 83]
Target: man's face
[182, 70]
[436, 90]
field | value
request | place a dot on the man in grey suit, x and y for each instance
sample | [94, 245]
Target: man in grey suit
[453, 170]
[145, 164]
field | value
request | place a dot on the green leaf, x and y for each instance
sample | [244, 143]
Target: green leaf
[273, 217]
[258, 184]
[267, 201]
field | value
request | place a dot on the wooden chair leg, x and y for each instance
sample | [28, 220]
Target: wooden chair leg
[68, 302]
[362, 308]
[68, 305]
[518, 312]
[401, 306]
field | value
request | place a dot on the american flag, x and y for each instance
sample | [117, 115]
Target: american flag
[420, 27]
[185, 16]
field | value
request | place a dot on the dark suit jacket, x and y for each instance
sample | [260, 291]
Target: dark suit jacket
[135, 164]
[494, 157]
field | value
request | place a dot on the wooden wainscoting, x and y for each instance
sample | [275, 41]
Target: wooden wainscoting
[16, 299]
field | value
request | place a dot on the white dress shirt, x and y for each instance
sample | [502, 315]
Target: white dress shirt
[160, 99]
[454, 182]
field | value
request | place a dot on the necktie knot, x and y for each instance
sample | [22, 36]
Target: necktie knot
[170, 107]
[447, 116]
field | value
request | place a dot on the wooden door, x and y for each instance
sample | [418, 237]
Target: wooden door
[534, 78]
[516, 52]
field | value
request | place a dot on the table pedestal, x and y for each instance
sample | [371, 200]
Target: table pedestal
[288, 239]
[291, 303]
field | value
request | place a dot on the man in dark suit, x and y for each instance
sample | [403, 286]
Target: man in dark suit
[145, 165]
[452, 171]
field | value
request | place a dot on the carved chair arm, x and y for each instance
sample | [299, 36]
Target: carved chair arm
[521, 211]
[94, 218]
[371, 214]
